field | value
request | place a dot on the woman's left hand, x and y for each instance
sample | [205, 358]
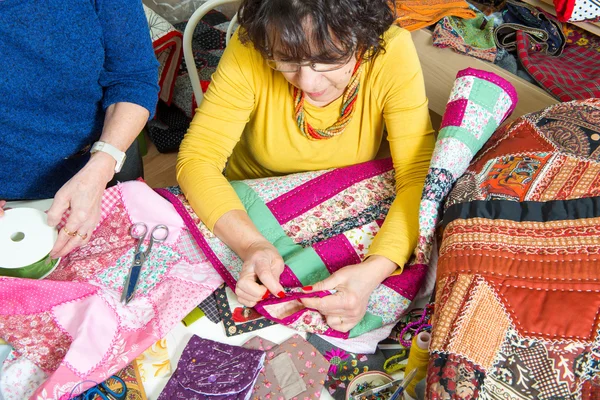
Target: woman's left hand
[354, 285]
[83, 195]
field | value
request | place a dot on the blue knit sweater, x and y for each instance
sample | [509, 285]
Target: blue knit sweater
[62, 63]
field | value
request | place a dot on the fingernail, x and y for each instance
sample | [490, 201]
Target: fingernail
[281, 295]
[265, 295]
[307, 288]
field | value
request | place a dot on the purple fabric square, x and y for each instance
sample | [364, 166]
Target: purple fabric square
[213, 370]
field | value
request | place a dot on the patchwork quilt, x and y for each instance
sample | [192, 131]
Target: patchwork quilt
[518, 283]
[71, 330]
[319, 222]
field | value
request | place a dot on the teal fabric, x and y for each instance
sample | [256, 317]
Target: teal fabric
[304, 262]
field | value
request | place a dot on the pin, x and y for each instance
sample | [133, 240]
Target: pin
[221, 351]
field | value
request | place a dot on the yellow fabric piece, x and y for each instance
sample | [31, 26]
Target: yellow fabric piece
[193, 316]
[417, 14]
[154, 362]
[248, 114]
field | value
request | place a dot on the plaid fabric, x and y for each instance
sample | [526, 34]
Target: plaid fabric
[209, 306]
[575, 75]
[189, 248]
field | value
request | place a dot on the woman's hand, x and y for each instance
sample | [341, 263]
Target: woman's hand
[83, 195]
[2, 204]
[262, 263]
[354, 285]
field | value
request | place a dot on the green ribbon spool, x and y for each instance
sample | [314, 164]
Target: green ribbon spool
[37, 270]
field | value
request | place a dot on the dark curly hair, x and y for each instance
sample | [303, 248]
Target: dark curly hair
[325, 31]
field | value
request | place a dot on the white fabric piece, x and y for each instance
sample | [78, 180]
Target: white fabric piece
[363, 344]
[585, 10]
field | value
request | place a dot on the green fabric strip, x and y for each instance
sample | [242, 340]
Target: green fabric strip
[368, 323]
[462, 135]
[193, 316]
[485, 94]
[304, 262]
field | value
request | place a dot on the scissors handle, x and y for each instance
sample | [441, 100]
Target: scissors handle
[157, 237]
[104, 392]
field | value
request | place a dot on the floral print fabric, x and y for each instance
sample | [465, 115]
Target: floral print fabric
[71, 327]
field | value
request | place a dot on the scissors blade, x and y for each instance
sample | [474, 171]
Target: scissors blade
[132, 278]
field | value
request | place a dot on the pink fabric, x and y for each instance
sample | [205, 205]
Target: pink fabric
[297, 201]
[19, 297]
[92, 325]
[72, 324]
[38, 338]
[193, 229]
[409, 282]
[109, 242]
[142, 205]
[288, 279]
[336, 252]
[455, 112]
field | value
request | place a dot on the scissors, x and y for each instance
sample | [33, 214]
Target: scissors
[138, 231]
[104, 392]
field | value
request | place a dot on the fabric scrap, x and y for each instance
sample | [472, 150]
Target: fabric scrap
[311, 367]
[575, 75]
[192, 317]
[416, 14]
[287, 376]
[209, 369]
[363, 344]
[154, 362]
[209, 307]
[472, 37]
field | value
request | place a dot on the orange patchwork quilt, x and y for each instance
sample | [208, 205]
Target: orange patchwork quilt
[518, 284]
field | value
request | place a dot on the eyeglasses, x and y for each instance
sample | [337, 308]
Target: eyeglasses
[286, 66]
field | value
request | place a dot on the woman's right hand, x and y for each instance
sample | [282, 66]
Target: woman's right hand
[2, 204]
[260, 274]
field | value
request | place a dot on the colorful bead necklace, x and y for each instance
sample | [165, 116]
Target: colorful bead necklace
[346, 112]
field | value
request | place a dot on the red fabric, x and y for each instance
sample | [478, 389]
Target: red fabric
[564, 9]
[172, 45]
[575, 75]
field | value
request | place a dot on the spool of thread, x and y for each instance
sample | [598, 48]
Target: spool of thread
[25, 244]
[418, 359]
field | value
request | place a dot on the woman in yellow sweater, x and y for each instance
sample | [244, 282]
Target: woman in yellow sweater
[309, 85]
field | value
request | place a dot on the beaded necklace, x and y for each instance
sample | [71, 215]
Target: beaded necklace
[346, 112]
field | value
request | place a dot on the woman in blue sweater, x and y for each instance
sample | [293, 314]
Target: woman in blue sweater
[78, 81]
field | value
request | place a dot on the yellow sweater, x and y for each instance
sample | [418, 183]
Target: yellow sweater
[247, 116]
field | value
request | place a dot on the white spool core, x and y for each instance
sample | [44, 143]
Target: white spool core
[25, 237]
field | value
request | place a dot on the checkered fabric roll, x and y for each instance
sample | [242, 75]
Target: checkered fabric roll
[479, 102]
